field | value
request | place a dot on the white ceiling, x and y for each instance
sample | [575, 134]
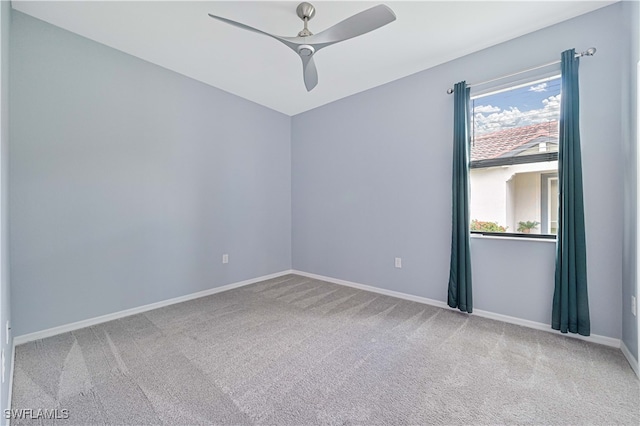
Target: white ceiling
[179, 35]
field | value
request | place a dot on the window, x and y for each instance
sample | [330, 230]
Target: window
[514, 159]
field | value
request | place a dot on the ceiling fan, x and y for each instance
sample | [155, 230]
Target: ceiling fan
[306, 44]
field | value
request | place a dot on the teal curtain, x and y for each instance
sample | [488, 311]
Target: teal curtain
[570, 301]
[460, 295]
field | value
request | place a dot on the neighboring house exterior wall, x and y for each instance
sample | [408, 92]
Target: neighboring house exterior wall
[527, 195]
[491, 183]
[510, 194]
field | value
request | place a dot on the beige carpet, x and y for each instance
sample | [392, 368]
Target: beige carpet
[295, 351]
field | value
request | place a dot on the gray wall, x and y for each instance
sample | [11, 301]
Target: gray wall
[630, 169]
[371, 181]
[128, 181]
[5, 306]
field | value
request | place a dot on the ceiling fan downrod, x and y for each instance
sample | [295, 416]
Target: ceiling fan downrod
[305, 11]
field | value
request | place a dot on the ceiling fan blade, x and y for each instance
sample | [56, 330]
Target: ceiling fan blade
[358, 24]
[310, 72]
[284, 40]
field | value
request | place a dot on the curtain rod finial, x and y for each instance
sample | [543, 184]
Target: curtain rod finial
[449, 91]
[590, 51]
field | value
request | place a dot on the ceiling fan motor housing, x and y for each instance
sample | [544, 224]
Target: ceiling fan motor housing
[306, 50]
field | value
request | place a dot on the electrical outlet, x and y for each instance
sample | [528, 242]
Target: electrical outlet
[634, 307]
[225, 258]
[398, 262]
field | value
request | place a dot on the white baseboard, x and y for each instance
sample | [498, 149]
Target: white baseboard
[13, 362]
[19, 340]
[632, 361]
[594, 338]
[378, 290]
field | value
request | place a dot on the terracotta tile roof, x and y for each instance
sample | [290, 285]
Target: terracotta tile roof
[503, 142]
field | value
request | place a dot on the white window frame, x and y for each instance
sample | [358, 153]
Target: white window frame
[508, 85]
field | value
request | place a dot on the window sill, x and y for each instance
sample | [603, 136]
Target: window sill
[508, 237]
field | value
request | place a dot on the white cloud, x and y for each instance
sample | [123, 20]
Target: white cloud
[542, 87]
[513, 117]
[486, 109]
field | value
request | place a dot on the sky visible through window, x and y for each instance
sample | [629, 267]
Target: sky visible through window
[531, 104]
